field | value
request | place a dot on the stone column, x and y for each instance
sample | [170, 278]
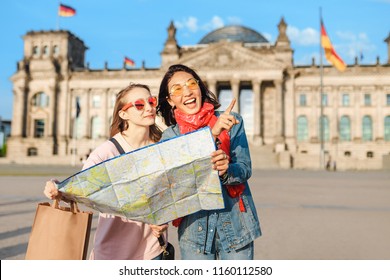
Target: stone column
[212, 86]
[278, 113]
[87, 116]
[256, 88]
[17, 116]
[63, 107]
[357, 120]
[106, 104]
[235, 84]
[52, 117]
[379, 118]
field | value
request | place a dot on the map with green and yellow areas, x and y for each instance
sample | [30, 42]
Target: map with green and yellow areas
[155, 184]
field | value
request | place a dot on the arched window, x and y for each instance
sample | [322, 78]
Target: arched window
[367, 128]
[41, 100]
[387, 128]
[325, 127]
[246, 109]
[95, 127]
[345, 128]
[302, 129]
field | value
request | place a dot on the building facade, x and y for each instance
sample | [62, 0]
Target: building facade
[281, 104]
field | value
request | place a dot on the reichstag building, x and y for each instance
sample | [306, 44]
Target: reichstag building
[281, 103]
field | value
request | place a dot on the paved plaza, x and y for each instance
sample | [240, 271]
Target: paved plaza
[312, 215]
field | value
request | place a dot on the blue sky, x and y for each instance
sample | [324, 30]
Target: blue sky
[138, 28]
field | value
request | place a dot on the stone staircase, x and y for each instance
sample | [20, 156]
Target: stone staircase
[263, 157]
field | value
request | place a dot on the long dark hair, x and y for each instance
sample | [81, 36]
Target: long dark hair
[119, 124]
[164, 109]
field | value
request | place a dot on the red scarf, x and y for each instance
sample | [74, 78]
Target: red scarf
[206, 117]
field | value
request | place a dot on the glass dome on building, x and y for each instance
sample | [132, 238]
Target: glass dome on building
[233, 33]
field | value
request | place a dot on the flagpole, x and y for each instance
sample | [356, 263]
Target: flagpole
[58, 16]
[321, 102]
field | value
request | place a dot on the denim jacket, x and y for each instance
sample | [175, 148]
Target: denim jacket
[235, 229]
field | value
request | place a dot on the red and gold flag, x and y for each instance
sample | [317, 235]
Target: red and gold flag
[330, 53]
[129, 62]
[66, 11]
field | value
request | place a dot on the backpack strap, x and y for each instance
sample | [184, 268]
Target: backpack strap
[117, 145]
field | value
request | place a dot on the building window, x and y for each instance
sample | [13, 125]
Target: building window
[302, 100]
[302, 131]
[32, 152]
[325, 127]
[56, 50]
[39, 128]
[347, 153]
[324, 99]
[345, 100]
[345, 128]
[45, 50]
[41, 100]
[388, 99]
[367, 99]
[387, 128]
[367, 128]
[370, 154]
[36, 51]
[78, 128]
[96, 101]
[247, 109]
[95, 127]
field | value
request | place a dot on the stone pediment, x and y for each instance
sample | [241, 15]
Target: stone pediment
[230, 56]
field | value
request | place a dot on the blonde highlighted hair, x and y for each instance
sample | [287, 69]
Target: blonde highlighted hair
[119, 124]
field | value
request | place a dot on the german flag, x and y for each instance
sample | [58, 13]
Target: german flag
[330, 53]
[66, 11]
[129, 62]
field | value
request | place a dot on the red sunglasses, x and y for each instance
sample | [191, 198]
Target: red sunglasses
[139, 104]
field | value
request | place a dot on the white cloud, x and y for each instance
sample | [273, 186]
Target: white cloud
[191, 24]
[351, 45]
[215, 23]
[305, 37]
[234, 20]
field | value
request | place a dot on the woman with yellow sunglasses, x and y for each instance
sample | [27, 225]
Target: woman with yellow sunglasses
[185, 104]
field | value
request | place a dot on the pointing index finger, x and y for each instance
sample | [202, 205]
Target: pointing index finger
[230, 107]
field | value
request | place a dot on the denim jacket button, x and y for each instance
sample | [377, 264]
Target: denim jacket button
[200, 228]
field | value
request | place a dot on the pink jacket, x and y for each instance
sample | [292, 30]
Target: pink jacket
[118, 238]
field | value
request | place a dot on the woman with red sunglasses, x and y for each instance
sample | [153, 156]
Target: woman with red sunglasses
[133, 127]
[185, 104]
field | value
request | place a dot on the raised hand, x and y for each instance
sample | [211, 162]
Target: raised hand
[225, 120]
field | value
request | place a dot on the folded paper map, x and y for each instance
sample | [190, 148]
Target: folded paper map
[155, 184]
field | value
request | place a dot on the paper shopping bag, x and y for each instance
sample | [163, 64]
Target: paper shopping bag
[59, 233]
